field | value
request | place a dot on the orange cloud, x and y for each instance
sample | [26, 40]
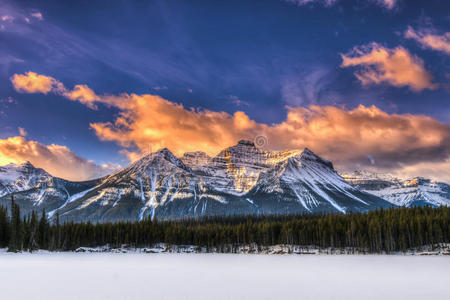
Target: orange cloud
[83, 94]
[347, 137]
[396, 67]
[31, 82]
[430, 40]
[56, 159]
[150, 122]
[34, 83]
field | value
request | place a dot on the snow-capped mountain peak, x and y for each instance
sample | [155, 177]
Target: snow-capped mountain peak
[414, 191]
[20, 177]
[309, 156]
[241, 179]
[312, 182]
[159, 160]
[236, 169]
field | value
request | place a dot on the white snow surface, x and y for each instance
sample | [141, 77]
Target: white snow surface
[402, 192]
[222, 276]
[70, 199]
[21, 177]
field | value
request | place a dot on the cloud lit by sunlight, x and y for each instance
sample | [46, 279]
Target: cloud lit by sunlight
[31, 82]
[22, 131]
[392, 140]
[430, 39]
[37, 15]
[396, 67]
[56, 159]
[389, 4]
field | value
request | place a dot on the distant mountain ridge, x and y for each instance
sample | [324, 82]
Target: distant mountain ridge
[401, 192]
[241, 179]
[35, 189]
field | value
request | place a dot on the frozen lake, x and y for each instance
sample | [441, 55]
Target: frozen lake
[222, 276]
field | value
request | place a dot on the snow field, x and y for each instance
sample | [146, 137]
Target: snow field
[222, 276]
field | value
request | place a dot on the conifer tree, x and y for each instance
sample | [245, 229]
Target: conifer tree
[389, 230]
[33, 228]
[4, 227]
[43, 231]
[16, 228]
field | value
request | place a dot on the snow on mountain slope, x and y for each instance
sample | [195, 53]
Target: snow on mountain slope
[415, 191]
[195, 160]
[20, 177]
[35, 189]
[313, 182]
[241, 179]
[136, 191]
[236, 169]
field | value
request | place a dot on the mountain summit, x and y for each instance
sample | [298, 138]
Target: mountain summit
[20, 177]
[241, 179]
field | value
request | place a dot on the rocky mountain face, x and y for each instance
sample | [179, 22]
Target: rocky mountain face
[241, 179]
[35, 189]
[312, 182]
[195, 160]
[20, 177]
[236, 169]
[417, 191]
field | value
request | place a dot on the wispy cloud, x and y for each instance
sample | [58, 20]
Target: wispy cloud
[306, 2]
[396, 67]
[5, 104]
[160, 88]
[8, 100]
[37, 15]
[6, 18]
[22, 131]
[304, 89]
[388, 4]
[391, 140]
[6, 60]
[56, 44]
[237, 101]
[50, 42]
[429, 38]
[15, 18]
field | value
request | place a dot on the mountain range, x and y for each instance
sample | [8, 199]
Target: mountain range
[417, 191]
[240, 180]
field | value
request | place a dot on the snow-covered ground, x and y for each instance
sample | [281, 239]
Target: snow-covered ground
[222, 276]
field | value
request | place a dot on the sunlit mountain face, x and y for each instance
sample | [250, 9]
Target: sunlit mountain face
[235, 91]
[240, 180]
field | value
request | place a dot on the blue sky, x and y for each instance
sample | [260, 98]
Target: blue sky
[252, 56]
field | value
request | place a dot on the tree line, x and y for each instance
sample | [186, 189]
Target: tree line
[389, 230]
